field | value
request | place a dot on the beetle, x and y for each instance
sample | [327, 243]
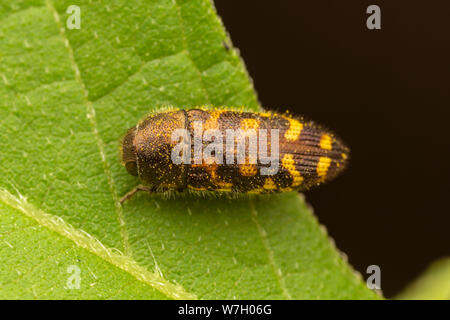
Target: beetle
[230, 151]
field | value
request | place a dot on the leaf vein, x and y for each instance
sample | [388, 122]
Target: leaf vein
[86, 241]
[141, 67]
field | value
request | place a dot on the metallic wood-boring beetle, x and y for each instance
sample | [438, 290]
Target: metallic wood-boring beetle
[307, 154]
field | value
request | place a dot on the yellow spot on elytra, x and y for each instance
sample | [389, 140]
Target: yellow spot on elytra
[325, 141]
[295, 128]
[212, 122]
[249, 123]
[322, 166]
[248, 170]
[289, 164]
[269, 184]
[199, 165]
[344, 156]
[227, 187]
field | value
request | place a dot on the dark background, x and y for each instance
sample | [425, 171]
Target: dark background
[386, 93]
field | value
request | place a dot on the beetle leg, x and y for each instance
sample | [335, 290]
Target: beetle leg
[136, 189]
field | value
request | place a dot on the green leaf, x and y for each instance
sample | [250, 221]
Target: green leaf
[66, 98]
[433, 284]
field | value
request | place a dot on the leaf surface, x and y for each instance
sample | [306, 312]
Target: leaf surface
[66, 98]
[433, 284]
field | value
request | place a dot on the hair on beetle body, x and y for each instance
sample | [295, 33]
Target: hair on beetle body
[229, 151]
